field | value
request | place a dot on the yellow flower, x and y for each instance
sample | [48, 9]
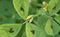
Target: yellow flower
[29, 18]
[46, 6]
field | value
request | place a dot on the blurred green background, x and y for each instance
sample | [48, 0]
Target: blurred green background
[8, 13]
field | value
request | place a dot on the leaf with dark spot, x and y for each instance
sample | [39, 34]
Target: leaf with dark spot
[11, 30]
[33, 32]
[54, 7]
[21, 5]
[22, 9]
[51, 26]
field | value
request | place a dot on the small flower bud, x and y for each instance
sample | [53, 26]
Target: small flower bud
[29, 18]
[44, 3]
[44, 9]
[30, 1]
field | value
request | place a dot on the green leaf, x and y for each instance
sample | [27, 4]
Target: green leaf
[24, 35]
[22, 7]
[40, 12]
[3, 33]
[40, 21]
[57, 7]
[55, 27]
[48, 28]
[57, 18]
[34, 31]
[52, 28]
[51, 5]
[6, 12]
[28, 31]
[6, 8]
[57, 36]
[11, 29]
[22, 31]
[40, 33]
